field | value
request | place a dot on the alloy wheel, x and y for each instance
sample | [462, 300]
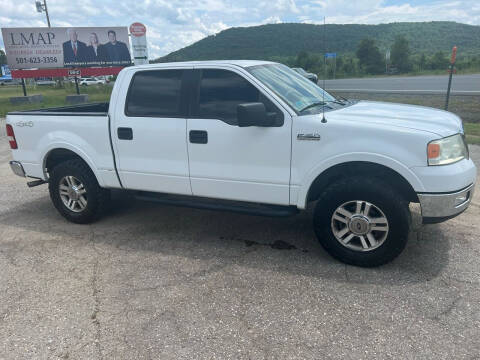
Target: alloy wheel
[73, 193]
[359, 225]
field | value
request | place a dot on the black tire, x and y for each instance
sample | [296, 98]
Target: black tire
[97, 197]
[383, 197]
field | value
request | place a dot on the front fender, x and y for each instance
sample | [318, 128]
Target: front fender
[319, 168]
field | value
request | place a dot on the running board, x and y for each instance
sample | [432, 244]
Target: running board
[217, 204]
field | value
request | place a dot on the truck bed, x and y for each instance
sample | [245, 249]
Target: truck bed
[92, 109]
[81, 129]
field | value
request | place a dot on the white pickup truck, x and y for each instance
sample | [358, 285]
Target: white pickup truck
[253, 137]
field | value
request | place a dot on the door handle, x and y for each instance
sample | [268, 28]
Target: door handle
[198, 136]
[125, 133]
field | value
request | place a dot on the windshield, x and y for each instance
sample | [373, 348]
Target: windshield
[296, 90]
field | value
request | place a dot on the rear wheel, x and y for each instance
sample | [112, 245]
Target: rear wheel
[75, 192]
[362, 222]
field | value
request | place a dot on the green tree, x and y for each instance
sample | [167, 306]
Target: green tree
[401, 54]
[3, 58]
[439, 61]
[302, 59]
[369, 57]
[422, 63]
[349, 66]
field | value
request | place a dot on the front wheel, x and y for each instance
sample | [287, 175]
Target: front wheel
[362, 221]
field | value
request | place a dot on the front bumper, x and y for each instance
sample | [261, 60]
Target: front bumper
[438, 207]
[17, 168]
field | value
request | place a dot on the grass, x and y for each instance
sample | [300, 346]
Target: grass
[52, 96]
[472, 131]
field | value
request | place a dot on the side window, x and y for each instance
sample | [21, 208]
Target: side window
[155, 93]
[222, 90]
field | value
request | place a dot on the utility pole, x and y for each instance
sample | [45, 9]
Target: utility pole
[41, 8]
[46, 12]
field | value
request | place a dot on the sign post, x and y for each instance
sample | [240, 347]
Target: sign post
[451, 68]
[139, 43]
[75, 74]
[24, 87]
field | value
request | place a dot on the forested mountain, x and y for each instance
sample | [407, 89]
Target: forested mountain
[275, 41]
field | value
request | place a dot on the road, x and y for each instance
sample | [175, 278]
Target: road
[157, 282]
[461, 84]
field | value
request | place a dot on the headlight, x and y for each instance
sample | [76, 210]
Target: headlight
[447, 150]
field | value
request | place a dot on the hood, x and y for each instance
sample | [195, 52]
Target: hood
[422, 118]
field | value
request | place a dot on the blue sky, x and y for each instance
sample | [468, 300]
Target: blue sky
[173, 24]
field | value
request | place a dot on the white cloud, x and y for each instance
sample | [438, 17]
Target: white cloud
[173, 24]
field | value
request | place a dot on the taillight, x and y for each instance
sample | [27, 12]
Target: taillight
[11, 137]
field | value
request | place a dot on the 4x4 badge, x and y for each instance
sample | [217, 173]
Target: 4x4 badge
[24, 123]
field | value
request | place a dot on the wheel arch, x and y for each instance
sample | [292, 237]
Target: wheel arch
[58, 154]
[354, 168]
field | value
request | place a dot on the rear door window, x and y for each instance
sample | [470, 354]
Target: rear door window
[155, 93]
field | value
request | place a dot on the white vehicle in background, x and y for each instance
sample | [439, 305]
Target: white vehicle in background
[252, 137]
[92, 81]
[45, 82]
[310, 76]
[10, 82]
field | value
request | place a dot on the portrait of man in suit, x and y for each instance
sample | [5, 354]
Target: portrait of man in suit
[96, 52]
[117, 51]
[74, 51]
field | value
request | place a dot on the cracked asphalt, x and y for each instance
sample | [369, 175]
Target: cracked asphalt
[156, 282]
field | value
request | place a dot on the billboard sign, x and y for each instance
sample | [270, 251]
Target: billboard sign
[58, 47]
[330, 55]
[139, 43]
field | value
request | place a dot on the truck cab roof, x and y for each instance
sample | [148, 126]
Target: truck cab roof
[241, 63]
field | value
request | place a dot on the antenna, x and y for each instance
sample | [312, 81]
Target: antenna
[324, 71]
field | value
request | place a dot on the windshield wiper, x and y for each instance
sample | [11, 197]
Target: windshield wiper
[338, 102]
[318, 103]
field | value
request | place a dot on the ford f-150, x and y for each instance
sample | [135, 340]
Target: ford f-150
[253, 137]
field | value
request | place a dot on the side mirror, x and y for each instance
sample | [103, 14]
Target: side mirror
[254, 114]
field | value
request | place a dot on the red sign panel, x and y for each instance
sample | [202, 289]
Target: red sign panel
[40, 73]
[138, 29]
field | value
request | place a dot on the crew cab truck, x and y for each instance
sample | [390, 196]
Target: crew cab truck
[253, 137]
